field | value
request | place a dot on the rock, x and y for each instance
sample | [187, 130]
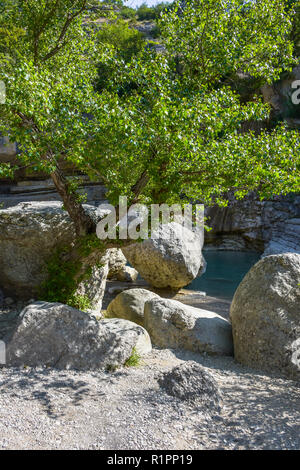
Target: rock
[127, 274]
[251, 224]
[56, 335]
[35, 190]
[203, 267]
[116, 289]
[93, 289]
[30, 233]
[1, 297]
[285, 238]
[8, 301]
[172, 324]
[172, 258]
[191, 383]
[278, 95]
[265, 315]
[129, 304]
[8, 321]
[116, 262]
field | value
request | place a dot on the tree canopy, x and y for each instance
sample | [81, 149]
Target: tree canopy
[176, 133]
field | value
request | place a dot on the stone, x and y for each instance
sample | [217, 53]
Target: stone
[191, 383]
[30, 233]
[278, 95]
[172, 324]
[251, 224]
[43, 189]
[129, 304]
[93, 289]
[170, 259]
[59, 336]
[265, 316]
[285, 238]
[116, 262]
[8, 301]
[127, 274]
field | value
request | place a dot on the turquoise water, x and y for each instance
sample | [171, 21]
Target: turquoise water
[224, 272]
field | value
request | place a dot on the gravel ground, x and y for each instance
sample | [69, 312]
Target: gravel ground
[126, 409]
[49, 409]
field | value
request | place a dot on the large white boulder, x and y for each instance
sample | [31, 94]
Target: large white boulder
[172, 324]
[129, 304]
[171, 258]
[30, 233]
[59, 336]
[265, 316]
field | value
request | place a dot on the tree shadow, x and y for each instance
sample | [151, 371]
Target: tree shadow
[260, 410]
[41, 385]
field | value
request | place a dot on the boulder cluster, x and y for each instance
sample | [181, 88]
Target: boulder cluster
[263, 331]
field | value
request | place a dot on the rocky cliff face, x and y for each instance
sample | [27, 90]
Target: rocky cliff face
[251, 224]
[279, 96]
[44, 190]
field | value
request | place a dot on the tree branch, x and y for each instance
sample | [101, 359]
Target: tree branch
[60, 41]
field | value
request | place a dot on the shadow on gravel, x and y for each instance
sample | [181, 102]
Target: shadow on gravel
[260, 411]
[43, 387]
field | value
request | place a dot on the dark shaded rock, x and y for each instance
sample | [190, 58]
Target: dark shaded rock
[191, 383]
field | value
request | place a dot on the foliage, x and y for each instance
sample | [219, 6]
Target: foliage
[295, 33]
[125, 43]
[168, 127]
[65, 274]
[127, 13]
[214, 39]
[81, 302]
[144, 12]
[125, 40]
[134, 360]
[60, 285]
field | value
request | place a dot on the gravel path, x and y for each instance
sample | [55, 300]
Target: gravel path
[49, 409]
[126, 409]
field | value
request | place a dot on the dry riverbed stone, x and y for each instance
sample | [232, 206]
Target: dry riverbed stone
[265, 316]
[191, 383]
[59, 336]
[129, 304]
[172, 324]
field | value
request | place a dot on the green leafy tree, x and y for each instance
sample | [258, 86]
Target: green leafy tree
[145, 13]
[176, 136]
[127, 13]
[295, 35]
[124, 43]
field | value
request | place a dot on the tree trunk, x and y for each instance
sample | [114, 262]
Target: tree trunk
[83, 223]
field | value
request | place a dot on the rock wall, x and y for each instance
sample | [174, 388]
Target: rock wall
[251, 224]
[279, 96]
[44, 190]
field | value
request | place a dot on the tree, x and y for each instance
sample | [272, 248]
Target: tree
[125, 42]
[295, 34]
[145, 13]
[175, 136]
